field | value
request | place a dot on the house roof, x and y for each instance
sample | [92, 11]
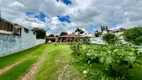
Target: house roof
[4, 20]
[71, 35]
[51, 38]
[115, 30]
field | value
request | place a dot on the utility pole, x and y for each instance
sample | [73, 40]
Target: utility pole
[0, 13]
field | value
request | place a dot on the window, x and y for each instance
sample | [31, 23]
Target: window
[26, 30]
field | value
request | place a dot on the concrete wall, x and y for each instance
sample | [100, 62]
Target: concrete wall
[28, 39]
[10, 43]
[40, 41]
[97, 40]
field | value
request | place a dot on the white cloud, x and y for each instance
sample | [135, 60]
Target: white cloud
[83, 13]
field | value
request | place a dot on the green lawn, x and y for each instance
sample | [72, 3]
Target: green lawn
[22, 68]
[8, 60]
[57, 64]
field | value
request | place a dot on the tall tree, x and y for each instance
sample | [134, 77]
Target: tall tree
[106, 27]
[133, 35]
[97, 33]
[40, 33]
[63, 33]
[79, 31]
[102, 28]
[51, 35]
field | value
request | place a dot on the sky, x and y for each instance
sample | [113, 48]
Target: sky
[56, 16]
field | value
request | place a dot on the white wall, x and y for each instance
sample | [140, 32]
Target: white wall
[40, 41]
[10, 43]
[28, 39]
[96, 40]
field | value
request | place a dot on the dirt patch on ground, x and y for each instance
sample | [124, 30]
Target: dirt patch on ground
[65, 71]
[33, 70]
[8, 67]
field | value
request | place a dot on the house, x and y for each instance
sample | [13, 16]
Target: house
[7, 27]
[14, 38]
[51, 39]
[117, 32]
[71, 38]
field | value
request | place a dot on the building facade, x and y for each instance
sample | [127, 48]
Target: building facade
[15, 38]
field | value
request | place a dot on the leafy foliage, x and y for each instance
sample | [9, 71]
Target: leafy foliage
[115, 59]
[79, 31]
[40, 33]
[63, 33]
[110, 38]
[97, 33]
[86, 39]
[133, 35]
[51, 35]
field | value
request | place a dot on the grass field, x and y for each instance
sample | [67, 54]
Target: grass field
[30, 57]
[55, 63]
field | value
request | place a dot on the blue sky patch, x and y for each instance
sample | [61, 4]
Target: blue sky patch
[47, 29]
[29, 13]
[115, 24]
[91, 29]
[67, 2]
[41, 16]
[64, 18]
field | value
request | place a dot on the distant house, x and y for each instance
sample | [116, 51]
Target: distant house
[71, 38]
[115, 31]
[51, 39]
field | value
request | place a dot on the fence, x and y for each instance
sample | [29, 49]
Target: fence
[10, 44]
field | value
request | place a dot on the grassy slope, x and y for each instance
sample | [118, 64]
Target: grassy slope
[54, 67]
[22, 68]
[7, 60]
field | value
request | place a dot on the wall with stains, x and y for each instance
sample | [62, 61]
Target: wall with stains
[11, 43]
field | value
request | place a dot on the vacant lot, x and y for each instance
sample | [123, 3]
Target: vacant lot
[44, 62]
[52, 62]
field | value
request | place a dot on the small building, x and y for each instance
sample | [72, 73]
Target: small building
[71, 38]
[117, 32]
[51, 39]
[7, 27]
[14, 38]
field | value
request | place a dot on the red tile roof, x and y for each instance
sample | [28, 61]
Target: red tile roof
[71, 35]
[51, 38]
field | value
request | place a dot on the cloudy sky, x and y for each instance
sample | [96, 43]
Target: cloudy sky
[67, 15]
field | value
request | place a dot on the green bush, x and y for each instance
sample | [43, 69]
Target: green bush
[133, 35]
[115, 59]
[110, 38]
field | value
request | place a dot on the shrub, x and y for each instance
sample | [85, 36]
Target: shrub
[133, 35]
[115, 59]
[110, 38]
